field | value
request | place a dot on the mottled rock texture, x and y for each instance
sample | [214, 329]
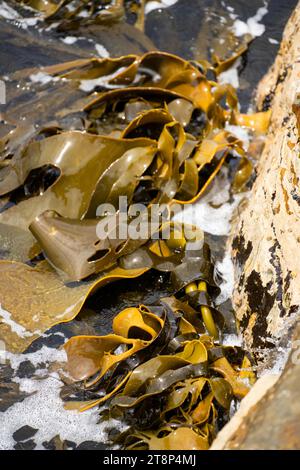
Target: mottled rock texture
[266, 255]
[266, 239]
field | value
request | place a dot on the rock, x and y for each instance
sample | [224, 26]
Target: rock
[25, 369]
[11, 394]
[28, 445]
[56, 443]
[267, 235]
[265, 247]
[91, 445]
[24, 433]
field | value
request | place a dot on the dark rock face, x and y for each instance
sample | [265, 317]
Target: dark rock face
[28, 445]
[9, 390]
[26, 369]
[24, 433]
[91, 445]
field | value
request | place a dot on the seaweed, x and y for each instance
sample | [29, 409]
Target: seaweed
[162, 373]
[163, 369]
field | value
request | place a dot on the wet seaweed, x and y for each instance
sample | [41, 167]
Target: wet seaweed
[163, 369]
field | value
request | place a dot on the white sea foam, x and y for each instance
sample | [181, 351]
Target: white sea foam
[278, 364]
[44, 355]
[101, 50]
[154, 5]
[70, 40]
[42, 77]
[231, 75]
[226, 271]
[20, 330]
[240, 132]
[89, 85]
[7, 12]
[252, 26]
[213, 212]
[232, 340]
[25, 22]
[44, 411]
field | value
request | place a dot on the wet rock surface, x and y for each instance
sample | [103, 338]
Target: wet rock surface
[267, 235]
[267, 269]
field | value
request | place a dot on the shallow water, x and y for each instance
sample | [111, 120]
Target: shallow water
[192, 29]
[187, 28]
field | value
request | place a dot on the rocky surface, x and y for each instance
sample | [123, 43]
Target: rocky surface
[267, 266]
[266, 238]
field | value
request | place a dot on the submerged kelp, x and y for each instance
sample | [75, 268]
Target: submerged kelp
[75, 11]
[73, 14]
[167, 140]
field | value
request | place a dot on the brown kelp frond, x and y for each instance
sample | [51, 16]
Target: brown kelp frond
[163, 372]
[150, 129]
[89, 11]
[153, 130]
[55, 300]
[71, 10]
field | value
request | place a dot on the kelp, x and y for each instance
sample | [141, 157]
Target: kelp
[96, 350]
[258, 122]
[161, 390]
[80, 171]
[103, 11]
[88, 11]
[154, 157]
[82, 180]
[178, 439]
[158, 70]
[153, 130]
[45, 299]
[17, 244]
